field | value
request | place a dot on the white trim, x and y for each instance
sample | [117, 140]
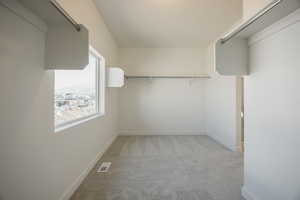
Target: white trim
[277, 27]
[100, 94]
[227, 146]
[160, 132]
[25, 14]
[175, 132]
[76, 122]
[247, 195]
[70, 190]
[102, 81]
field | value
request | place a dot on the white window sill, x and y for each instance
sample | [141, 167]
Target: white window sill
[77, 122]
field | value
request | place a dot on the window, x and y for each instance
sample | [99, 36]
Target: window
[79, 94]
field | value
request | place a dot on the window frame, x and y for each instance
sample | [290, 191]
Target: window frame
[100, 94]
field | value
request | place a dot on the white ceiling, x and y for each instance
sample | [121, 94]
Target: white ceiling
[168, 23]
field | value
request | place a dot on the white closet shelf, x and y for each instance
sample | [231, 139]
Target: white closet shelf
[67, 42]
[167, 76]
[51, 12]
[232, 50]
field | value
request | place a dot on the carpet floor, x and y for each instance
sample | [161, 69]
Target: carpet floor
[165, 168]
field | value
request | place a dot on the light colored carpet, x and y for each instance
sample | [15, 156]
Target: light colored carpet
[165, 168]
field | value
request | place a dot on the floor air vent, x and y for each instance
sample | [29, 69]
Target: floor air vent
[104, 167]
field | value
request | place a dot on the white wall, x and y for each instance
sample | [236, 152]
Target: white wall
[175, 106]
[36, 163]
[162, 106]
[220, 104]
[220, 110]
[272, 110]
[251, 7]
[162, 61]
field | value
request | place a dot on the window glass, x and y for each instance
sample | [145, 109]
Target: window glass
[77, 92]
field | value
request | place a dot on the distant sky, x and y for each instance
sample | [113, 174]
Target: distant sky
[71, 78]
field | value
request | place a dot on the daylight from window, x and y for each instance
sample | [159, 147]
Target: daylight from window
[76, 95]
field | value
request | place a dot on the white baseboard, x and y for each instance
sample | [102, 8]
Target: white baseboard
[70, 191]
[160, 132]
[174, 132]
[227, 146]
[247, 195]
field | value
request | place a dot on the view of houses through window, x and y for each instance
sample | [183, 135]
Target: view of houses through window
[76, 93]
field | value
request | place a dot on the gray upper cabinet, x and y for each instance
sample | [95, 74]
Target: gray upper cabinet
[67, 48]
[232, 57]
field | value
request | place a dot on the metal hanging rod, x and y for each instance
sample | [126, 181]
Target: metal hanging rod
[261, 13]
[65, 14]
[168, 77]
